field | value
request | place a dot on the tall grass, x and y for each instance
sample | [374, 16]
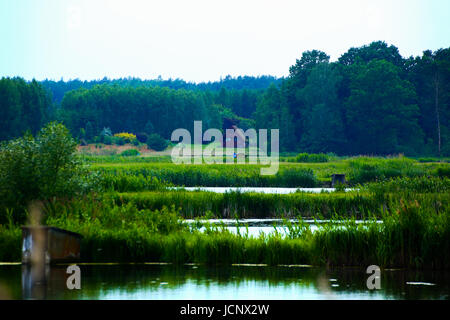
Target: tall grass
[358, 203]
[122, 182]
[412, 235]
[312, 157]
[406, 185]
[252, 205]
[114, 158]
[212, 175]
[365, 169]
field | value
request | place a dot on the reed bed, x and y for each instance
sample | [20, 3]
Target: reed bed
[369, 198]
[211, 175]
[414, 234]
[252, 205]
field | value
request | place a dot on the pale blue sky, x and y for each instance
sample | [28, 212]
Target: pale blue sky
[202, 40]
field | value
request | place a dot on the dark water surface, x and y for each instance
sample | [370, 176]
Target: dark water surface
[155, 281]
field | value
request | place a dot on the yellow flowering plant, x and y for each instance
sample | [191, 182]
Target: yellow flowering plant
[128, 137]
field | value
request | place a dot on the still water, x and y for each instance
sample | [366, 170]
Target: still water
[192, 282]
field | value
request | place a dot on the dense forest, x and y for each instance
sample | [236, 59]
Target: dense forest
[370, 101]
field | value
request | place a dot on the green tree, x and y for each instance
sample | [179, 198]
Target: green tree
[381, 111]
[377, 50]
[272, 113]
[39, 169]
[430, 75]
[291, 89]
[322, 112]
[23, 106]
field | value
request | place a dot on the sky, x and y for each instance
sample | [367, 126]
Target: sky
[203, 40]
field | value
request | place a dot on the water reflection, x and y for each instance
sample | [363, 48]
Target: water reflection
[149, 281]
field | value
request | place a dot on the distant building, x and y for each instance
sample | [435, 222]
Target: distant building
[239, 138]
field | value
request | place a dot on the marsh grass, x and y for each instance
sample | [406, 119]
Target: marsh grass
[413, 235]
[226, 175]
[122, 182]
[366, 169]
[251, 204]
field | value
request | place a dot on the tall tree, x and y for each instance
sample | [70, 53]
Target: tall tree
[377, 50]
[324, 128]
[430, 75]
[272, 113]
[298, 76]
[381, 110]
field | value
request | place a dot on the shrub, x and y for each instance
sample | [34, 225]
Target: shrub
[107, 140]
[156, 142]
[142, 137]
[39, 169]
[130, 152]
[120, 141]
[443, 171]
[311, 157]
[128, 137]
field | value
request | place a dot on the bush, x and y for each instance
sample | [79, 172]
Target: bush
[311, 157]
[128, 137]
[142, 137]
[443, 172]
[39, 169]
[107, 140]
[118, 141]
[129, 153]
[156, 142]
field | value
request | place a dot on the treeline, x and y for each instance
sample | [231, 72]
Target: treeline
[23, 107]
[59, 88]
[371, 101]
[143, 109]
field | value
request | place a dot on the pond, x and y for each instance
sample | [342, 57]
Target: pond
[237, 282]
